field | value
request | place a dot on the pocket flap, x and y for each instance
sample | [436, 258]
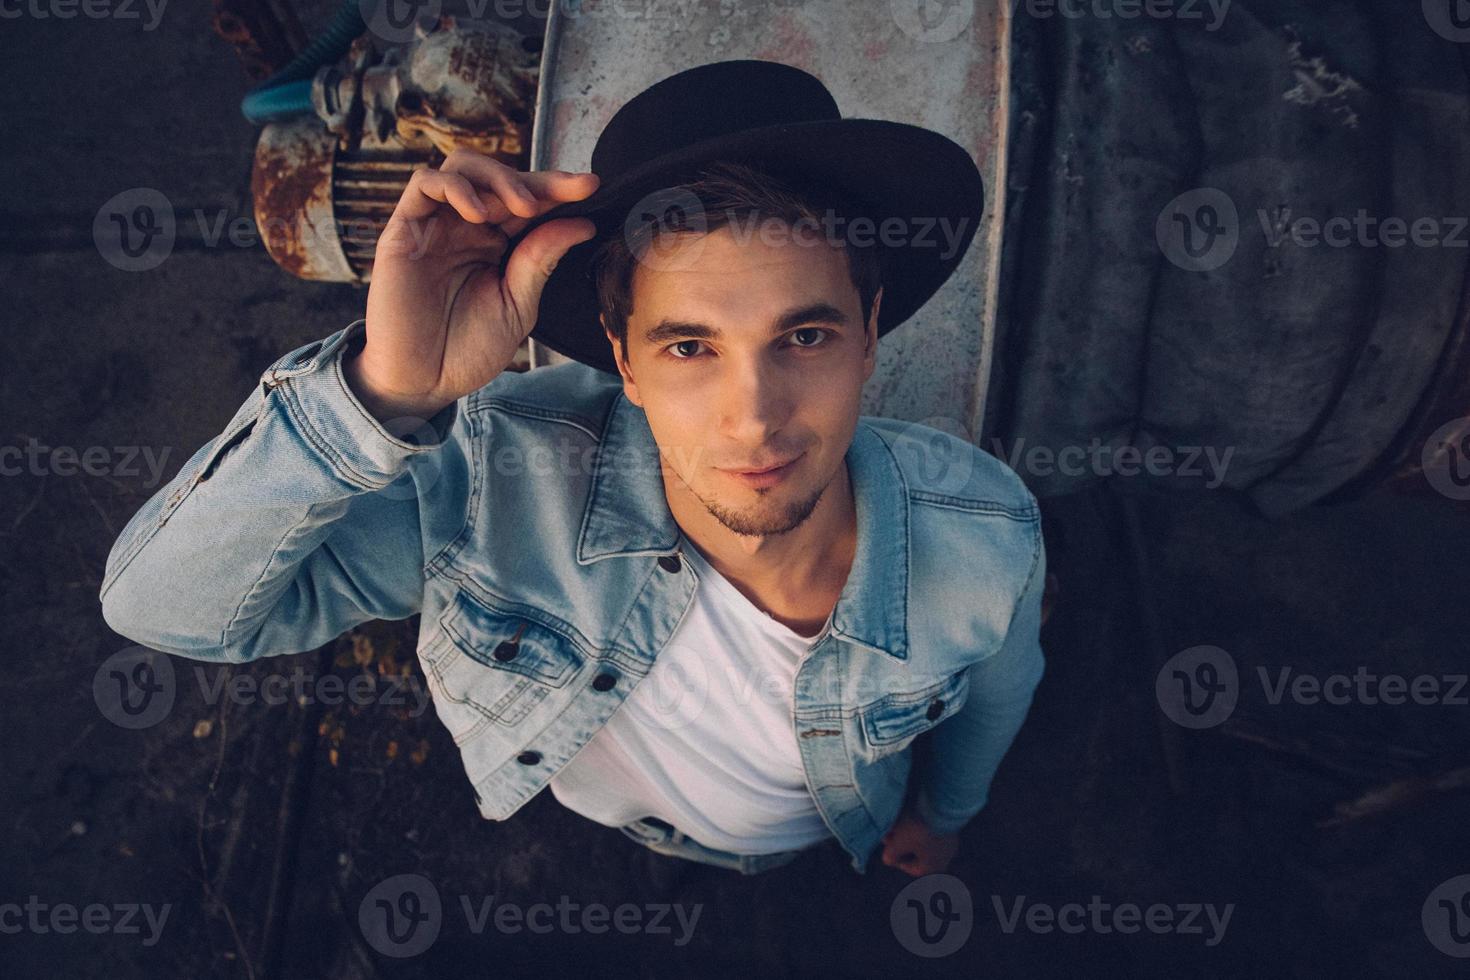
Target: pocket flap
[506, 640]
[901, 715]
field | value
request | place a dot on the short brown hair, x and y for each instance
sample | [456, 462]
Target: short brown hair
[729, 190]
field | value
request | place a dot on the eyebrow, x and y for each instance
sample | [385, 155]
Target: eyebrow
[667, 330]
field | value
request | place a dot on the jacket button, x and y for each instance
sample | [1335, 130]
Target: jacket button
[507, 651]
[936, 708]
[604, 682]
[528, 758]
[669, 563]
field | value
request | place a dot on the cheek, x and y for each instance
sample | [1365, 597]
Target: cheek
[679, 432]
[832, 406]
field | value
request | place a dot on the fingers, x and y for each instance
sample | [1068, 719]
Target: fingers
[483, 190]
[427, 189]
[504, 183]
[525, 194]
[561, 185]
[908, 862]
[534, 259]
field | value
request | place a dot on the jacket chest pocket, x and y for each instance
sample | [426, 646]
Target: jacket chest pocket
[893, 721]
[495, 665]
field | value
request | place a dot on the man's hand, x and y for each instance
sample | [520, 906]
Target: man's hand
[441, 320]
[912, 847]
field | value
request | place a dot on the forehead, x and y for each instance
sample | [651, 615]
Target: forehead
[736, 275]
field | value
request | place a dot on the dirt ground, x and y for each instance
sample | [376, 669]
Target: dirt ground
[263, 831]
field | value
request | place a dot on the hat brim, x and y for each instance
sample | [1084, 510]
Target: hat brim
[892, 170]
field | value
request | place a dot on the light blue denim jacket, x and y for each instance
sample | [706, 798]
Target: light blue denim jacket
[528, 524]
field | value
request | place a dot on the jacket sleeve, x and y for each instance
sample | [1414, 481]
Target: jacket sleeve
[965, 750]
[299, 521]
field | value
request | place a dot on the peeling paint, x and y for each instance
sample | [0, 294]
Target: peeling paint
[1317, 84]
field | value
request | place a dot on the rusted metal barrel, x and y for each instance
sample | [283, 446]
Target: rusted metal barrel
[320, 209]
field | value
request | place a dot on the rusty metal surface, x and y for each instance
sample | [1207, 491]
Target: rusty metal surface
[325, 185]
[935, 367]
[291, 185]
[320, 208]
[457, 86]
[469, 86]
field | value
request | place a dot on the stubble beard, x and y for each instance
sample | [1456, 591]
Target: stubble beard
[755, 523]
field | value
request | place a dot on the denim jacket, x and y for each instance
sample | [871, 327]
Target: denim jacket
[527, 523]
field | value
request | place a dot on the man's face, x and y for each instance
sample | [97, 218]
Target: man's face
[745, 353]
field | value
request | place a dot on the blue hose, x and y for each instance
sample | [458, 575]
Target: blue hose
[288, 91]
[280, 102]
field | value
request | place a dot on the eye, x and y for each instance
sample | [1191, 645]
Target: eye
[673, 349]
[817, 341]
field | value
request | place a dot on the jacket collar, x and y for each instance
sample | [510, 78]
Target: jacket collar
[627, 514]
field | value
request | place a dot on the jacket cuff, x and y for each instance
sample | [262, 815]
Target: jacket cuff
[937, 822]
[313, 389]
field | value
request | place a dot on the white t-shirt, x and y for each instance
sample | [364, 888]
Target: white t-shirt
[706, 740]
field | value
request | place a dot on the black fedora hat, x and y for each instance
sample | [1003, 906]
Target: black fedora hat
[782, 121]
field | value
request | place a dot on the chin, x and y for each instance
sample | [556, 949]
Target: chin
[765, 512]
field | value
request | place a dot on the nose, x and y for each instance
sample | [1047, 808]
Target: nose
[755, 403]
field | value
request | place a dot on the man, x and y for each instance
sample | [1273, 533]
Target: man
[680, 580]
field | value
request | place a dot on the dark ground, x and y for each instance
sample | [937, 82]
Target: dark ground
[266, 827]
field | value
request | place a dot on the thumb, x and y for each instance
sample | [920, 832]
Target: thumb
[536, 256]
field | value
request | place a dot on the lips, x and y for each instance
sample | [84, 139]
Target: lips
[753, 470]
[765, 477]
